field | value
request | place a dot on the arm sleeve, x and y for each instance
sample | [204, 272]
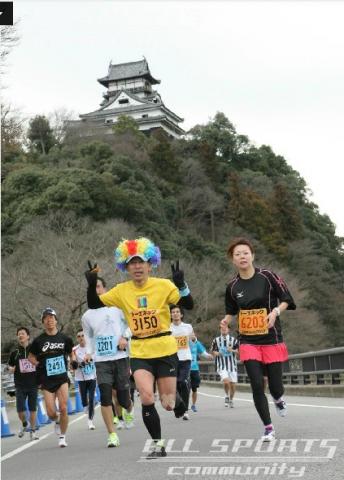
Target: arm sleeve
[186, 302]
[230, 303]
[93, 301]
[69, 346]
[200, 348]
[88, 332]
[281, 290]
[11, 361]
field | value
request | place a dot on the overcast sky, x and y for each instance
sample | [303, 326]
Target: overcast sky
[274, 68]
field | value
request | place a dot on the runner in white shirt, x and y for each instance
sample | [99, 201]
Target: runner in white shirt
[106, 336]
[182, 332]
[85, 375]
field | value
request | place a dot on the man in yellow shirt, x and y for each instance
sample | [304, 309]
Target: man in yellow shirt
[145, 302]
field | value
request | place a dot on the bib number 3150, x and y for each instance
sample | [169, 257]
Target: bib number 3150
[145, 323]
[253, 322]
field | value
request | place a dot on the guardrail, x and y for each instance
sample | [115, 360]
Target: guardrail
[324, 367]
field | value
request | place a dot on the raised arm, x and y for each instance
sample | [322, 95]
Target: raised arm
[186, 300]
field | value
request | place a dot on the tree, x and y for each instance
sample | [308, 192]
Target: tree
[40, 134]
[12, 130]
[9, 38]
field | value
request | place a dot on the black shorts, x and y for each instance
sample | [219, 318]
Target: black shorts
[114, 372]
[53, 387]
[159, 367]
[30, 394]
[195, 380]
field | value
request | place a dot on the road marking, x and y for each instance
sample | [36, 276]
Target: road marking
[272, 403]
[35, 442]
[239, 459]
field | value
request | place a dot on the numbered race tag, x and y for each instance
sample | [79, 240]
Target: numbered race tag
[253, 322]
[25, 366]
[182, 342]
[56, 366]
[144, 323]
[88, 369]
[224, 352]
[106, 345]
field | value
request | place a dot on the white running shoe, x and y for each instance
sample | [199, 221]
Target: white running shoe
[34, 435]
[91, 425]
[120, 425]
[269, 435]
[21, 431]
[227, 402]
[186, 416]
[62, 442]
[231, 404]
[281, 408]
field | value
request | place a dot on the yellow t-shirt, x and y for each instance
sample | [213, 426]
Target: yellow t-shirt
[147, 312]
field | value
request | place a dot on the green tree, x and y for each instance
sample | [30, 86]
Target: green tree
[40, 134]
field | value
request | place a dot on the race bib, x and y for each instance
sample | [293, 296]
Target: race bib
[144, 323]
[106, 345]
[25, 366]
[253, 322]
[88, 369]
[182, 342]
[56, 366]
[224, 352]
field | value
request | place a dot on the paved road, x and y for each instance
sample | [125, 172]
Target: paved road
[217, 443]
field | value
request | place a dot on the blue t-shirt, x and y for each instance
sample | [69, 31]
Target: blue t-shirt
[197, 348]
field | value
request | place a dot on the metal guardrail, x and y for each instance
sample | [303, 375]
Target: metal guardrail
[324, 367]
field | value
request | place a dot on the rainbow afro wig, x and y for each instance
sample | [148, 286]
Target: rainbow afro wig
[141, 247]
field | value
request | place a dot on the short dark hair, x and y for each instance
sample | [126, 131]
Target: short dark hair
[103, 281]
[79, 330]
[238, 241]
[173, 306]
[23, 328]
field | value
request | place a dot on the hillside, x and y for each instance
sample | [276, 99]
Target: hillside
[191, 196]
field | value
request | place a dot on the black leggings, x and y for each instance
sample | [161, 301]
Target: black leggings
[254, 370]
[87, 389]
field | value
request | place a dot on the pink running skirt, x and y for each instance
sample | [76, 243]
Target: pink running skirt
[264, 353]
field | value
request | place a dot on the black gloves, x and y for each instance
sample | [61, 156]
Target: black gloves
[178, 276]
[91, 274]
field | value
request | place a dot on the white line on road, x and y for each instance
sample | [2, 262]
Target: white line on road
[35, 442]
[272, 403]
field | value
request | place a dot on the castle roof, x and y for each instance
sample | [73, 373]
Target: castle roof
[124, 71]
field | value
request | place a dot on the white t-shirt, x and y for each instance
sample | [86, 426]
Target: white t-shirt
[88, 372]
[182, 334]
[102, 328]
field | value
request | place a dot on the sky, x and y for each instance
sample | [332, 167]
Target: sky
[274, 68]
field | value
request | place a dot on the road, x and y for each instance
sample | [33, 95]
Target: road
[216, 443]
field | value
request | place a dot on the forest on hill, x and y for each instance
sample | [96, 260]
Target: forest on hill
[67, 198]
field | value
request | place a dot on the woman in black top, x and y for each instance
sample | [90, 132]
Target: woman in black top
[259, 296]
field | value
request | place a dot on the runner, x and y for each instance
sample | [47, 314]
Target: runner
[49, 353]
[224, 349]
[182, 332]
[259, 296]
[106, 337]
[25, 382]
[85, 375]
[197, 349]
[145, 302]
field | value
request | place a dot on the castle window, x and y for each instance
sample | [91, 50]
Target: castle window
[145, 115]
[123, 100]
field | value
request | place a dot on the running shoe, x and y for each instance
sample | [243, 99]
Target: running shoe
[231, 404]
[57, 428]
[120, 425]
[186, 416]
[22, 431]
[113, 440]
[227, 402]
[91, 425]
[158, 450]
[194, 408]
[62, 442]
[128, 418]
[269, 435]
[34, 435]
[115, 420]
[281, 408]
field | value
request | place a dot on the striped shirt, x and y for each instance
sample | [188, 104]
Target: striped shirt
[226, 360]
